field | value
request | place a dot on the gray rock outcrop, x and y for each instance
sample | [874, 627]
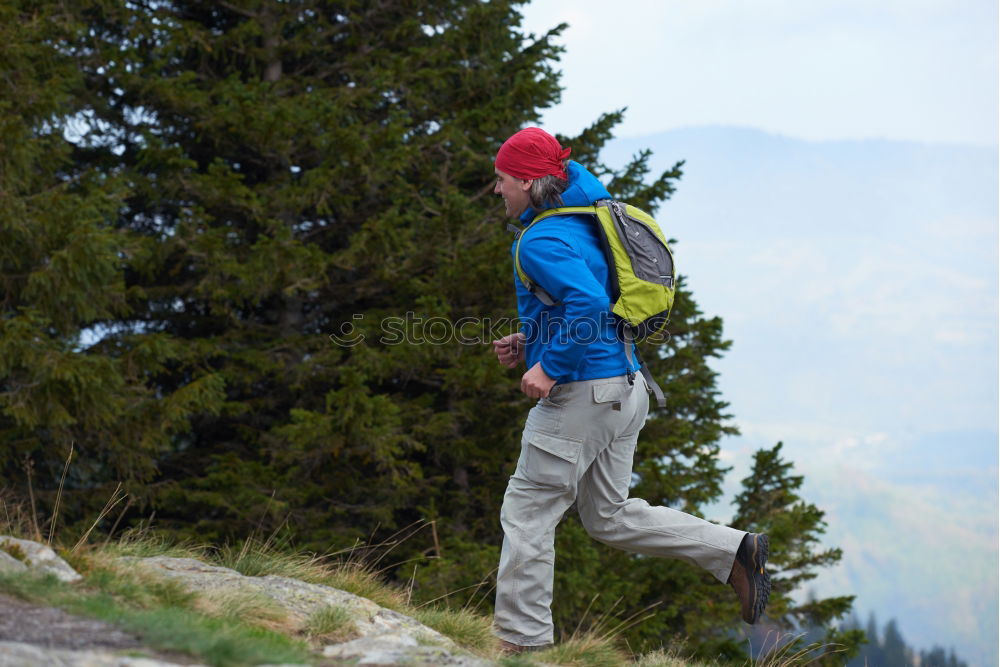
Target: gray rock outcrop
[375, 636]
[19, 654]
[390, 649]
[10, 564]
[38, 557]
[299, 599]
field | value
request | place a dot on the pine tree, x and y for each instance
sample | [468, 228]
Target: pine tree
[881, 648]
[295, 169]
[770, 503]
[889, 648]
[267, 217]
[953, 660]
[872, 652]
[894, 647]
[62, 261]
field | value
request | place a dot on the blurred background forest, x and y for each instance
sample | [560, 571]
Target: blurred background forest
[200, 202]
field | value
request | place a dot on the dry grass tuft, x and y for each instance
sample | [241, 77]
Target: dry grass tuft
[364, 581]
[250, 607]
[130, 583]
[671, 657]
[331, 625]
[255, 557]
[469, 630]
[15, 518]
[790, 652]
[145, 543]
[585, 649]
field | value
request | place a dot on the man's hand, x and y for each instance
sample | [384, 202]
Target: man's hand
[510, 349]
[536, 383]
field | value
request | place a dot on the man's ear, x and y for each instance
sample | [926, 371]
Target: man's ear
[526, 184]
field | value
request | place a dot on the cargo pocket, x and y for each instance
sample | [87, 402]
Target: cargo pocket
[610, 393]
[615, 406]
[545, 416]
[550, 459]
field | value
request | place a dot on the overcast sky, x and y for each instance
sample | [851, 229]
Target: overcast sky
[919, 70]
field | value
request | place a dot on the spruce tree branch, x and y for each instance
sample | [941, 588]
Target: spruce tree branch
[239, 10]
[483, 192]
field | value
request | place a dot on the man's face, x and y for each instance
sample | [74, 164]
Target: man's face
[514, 192]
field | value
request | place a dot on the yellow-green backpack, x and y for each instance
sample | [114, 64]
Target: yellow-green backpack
[640, 266]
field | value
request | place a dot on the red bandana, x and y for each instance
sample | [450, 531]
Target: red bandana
[532, 153]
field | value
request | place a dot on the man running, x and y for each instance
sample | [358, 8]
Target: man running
[579, 439]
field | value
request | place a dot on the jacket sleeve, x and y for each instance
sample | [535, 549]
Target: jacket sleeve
[562, 271]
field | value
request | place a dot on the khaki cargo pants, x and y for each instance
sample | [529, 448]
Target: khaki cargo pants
[578, 446]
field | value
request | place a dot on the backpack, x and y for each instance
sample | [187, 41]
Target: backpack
[640, 267]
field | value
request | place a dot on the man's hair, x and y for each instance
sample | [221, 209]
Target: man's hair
[546, 192]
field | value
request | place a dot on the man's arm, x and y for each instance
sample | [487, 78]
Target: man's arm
[536, 383]
[562, 271]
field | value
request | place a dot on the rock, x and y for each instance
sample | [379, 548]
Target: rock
[384, 637]
[40, 558]
[10, 564]
[391, 649]
[298, 598]
[51, 627]
[16, 654]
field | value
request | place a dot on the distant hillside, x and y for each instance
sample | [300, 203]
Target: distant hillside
[858, 281]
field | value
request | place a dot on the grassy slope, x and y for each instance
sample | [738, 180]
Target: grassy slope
[236, 630]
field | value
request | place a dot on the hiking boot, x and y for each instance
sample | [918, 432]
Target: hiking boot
[509, 648]
[749, 577]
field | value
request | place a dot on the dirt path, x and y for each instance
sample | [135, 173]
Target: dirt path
[22, 621]
[53, 628]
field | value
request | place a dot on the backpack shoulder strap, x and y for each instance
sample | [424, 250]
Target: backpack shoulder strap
[565, 210]
[528, 283]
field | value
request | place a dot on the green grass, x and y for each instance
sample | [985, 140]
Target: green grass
[213, 627]
[143, 543]
[138, 589]
[331, 625]
[364, 582]
[256, 558]
[31, 587]
[252, 607]
[666, 658]
[596, 649]
[471, 631]
[162, 618]
[584, 650]
[218, 641]
[793, 653]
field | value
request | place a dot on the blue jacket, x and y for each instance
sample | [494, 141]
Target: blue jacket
[575, 339]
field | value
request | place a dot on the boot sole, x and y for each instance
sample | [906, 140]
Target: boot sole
[760, 579]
